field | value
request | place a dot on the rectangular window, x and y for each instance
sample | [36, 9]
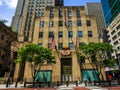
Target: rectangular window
[69, 23]
[60, 13]
[80, 34]
[50, 34]
[116, 43]
[118, 27]
[114, 37]
[40, 34]
[81, 43]
[113, 32]
[90, 34]
[70, 34]
[78, 13]
[60, 34]
[49, 45]
[88, 22]
[71, 46]
[51, 14]
[41, 23]
[79, 23]
[69, 14]
[40, 44]
[60, 46]
[60, 23]
[51, 23]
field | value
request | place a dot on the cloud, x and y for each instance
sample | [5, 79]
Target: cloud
[0, 2]
[9, 3]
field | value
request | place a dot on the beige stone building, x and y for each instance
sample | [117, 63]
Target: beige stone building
[68, 25]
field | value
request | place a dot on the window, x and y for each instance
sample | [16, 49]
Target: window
[88, 23]
[69, 23]
[40, 34]
[71, 46]
[60, 34]
[60, 23]
[119, 34]
[60, 46]
[50, 34]
[41, 23]
[49, 45]
[114, 37]
[81, 44]
[60, 13]
[40, 44]
[89, 33]
[115, 43]
[69, 13]
[80, 34]
[51, 14]
[78, 13]
[118, 27]
[51, 23]
[70, 35]
[79, 23]
[113, 32]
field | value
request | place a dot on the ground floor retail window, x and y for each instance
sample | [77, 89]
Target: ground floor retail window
[89, 75]
[43, 76]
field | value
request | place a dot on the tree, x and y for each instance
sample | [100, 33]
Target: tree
[96, 53]
[36, 56]
[4, 21]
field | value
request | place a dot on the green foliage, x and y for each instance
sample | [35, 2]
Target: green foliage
[34, 53]
[36, 56]
[4, 21]
[109, 63]
[97, 52]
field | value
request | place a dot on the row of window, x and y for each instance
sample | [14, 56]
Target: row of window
[70, 34]
[66, 13]
[69, 23]
[60, 45]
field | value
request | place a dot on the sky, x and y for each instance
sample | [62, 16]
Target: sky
[7, 7]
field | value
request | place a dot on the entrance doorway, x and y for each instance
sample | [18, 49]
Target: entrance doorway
[66, 69]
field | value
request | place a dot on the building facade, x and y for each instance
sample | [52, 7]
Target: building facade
[114, 35]
[27, 11]
[6, 38]
[110, 9]
[95, 9]
[66, 24]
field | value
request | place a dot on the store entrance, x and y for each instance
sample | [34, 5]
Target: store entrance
[66, 69]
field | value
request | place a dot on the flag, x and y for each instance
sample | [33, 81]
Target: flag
[52, 45]
[76, 44]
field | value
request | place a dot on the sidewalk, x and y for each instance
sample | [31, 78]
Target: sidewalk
[62, 87]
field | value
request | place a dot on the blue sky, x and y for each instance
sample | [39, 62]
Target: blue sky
[7, 7]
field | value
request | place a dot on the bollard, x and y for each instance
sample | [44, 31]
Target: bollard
[7, 83]
[109, 82]
[58, 84]
[16, 83]
[39, 84]
[33, 84]
[67, 83]
[85, 83]
[48, 84]
[25, 84]
[76, 83]
[94, 83]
